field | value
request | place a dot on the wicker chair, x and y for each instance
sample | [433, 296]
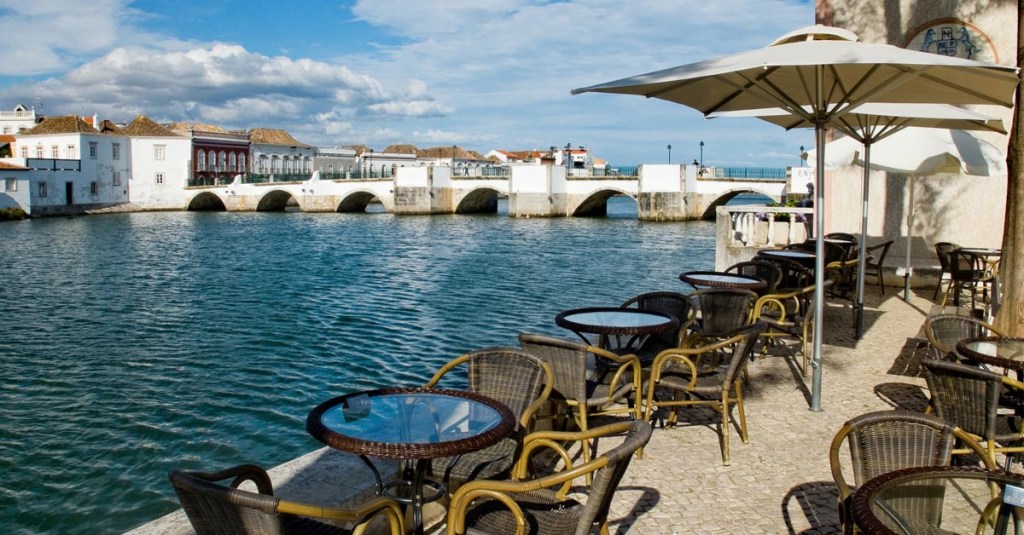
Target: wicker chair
[583, 396]
[722, 312]
[789, 314]
[535, 506]
[885, 441]
[215, 509]
[969, 398]
[942, 251]
[517, 379]
[843, 274]
[967, 271]
[794, 275]
[770, 272]
[876, 257]
[673, 303]
[944, 331]
[678, 371]
[844, 236]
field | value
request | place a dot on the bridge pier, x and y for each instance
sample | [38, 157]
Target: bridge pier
[423, 190]
[537, 191]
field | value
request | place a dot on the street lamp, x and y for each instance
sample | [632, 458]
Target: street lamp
[568, 152]
[702, 155]
[670, 154]
[802, 156]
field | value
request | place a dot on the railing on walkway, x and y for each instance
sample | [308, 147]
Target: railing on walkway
[480, 172]
[749, 173]
[262, 178]
[746, 228]
[612, 173]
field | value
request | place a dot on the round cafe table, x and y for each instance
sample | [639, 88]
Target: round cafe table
[717, 279]
[1006, 353]
[938, 499]
[412, 424]
[804, 258]
[614, 321]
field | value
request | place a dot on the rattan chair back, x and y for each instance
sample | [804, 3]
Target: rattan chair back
[966, 396]
[942, 251]
[885, 441]
[511, 376]
[769, 272]
[876, 257]
[944, 331]
[675, 304]
[845, 236]
[607, 479]
[794, 275]
[568, 361]
[216, 509]
[723, 310]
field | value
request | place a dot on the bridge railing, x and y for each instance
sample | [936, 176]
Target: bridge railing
[481, 172]
[607, 173]
[749, 173]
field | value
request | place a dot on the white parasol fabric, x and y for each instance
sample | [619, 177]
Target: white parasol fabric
[919, 152]
[829, 72]
[873, 122]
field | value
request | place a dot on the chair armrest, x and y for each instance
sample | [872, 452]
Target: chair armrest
[628, 362]
[362, 515]
[554, 440]
[454, 363]
[531, 410]
[241, 474]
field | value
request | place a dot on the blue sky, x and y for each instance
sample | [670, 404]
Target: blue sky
[482, 74]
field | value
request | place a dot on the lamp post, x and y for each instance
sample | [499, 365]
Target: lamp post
[568, 153]
[702, 155]
[802, 156]
[670, 154]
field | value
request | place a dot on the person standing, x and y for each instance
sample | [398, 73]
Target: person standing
[808, 202]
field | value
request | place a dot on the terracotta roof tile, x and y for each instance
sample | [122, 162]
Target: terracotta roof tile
[61, 124]
[144, 126]
[401, 149]
[187, 127]
[274, 136]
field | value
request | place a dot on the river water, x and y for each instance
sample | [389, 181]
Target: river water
[133, 344]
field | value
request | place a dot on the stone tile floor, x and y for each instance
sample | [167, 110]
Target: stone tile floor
[778, 483]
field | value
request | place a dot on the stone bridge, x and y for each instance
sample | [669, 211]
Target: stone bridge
[662, 193]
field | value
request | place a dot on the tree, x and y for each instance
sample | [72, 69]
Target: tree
[1010, 318]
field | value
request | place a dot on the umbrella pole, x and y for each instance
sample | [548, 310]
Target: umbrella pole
[910, 227]
[819, 262]
[863, 246]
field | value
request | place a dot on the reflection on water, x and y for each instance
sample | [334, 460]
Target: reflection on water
[134, 344]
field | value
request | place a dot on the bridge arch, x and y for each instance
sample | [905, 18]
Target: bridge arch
[357, 201]
[481, 200]
[276, 201]
[709, 208]
[206, 201]
[596, 203]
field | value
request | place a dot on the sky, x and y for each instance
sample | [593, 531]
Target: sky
[481, 74]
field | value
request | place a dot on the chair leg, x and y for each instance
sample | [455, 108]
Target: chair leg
[938, 285]
[741, 413]
[724, 433]
[581, 421]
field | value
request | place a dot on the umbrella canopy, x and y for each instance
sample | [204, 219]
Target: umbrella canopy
[828, 71]
[873, 122]
[919, 152]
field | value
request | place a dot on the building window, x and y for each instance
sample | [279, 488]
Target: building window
[212, 161]
[116, 151]
[42, 190]
[232, 162]
[159, 178]
[24, 152]
[201, 160]
[117, 178]
[159, 151]
[7, 130]
[222, 164]
[10, 184]
[94, 188]
[55, 152]
[72, 152]
[92, 150]
[241, 163]
[39, 150]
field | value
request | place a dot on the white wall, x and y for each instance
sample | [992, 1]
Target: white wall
[102, 169]
[143, 188]
[660, 178]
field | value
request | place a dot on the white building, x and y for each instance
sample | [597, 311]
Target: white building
[74, 167]
[13, 121]
[17, 187]
[335, 162]
[276, 152]
[161, 160]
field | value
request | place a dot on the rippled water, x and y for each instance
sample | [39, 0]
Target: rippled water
[133, 344]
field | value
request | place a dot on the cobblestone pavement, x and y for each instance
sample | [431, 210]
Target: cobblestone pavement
[780, 482]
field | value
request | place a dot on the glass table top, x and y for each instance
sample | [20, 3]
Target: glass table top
[410, 423]
[1011, 349]
[616, 318]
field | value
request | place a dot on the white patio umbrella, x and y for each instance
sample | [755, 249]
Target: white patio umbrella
[827, 70]
[867, 125]
[920, 152]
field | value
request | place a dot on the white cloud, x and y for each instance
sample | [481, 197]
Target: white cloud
[468, 71]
